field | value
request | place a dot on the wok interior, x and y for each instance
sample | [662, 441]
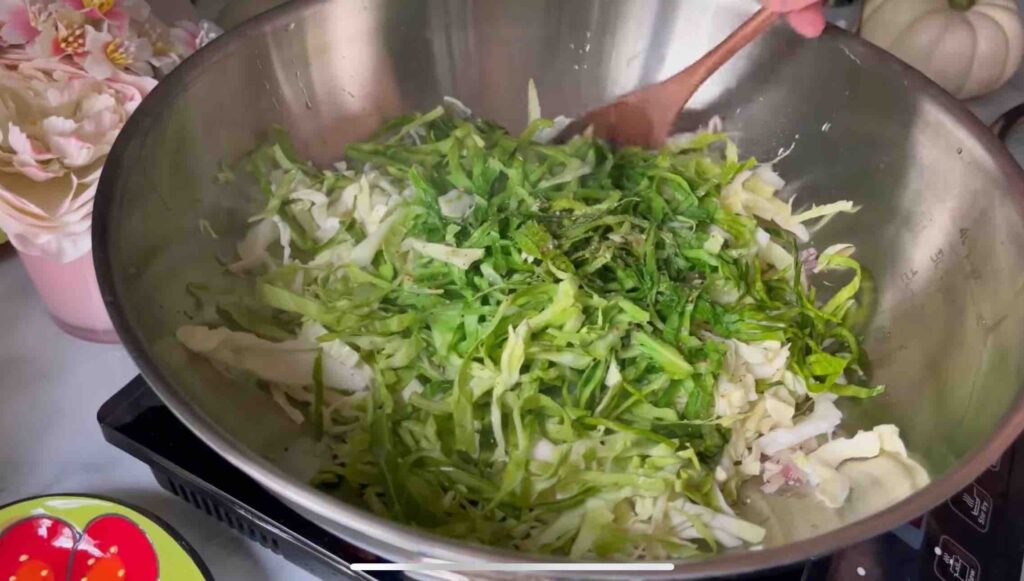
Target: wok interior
[939, 229]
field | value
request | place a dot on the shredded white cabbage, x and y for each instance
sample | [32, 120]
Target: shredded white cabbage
[544, 134]
[456, 107]
[285, 362]
[823, 420]
[691, 139]
[753, 193]
[573, 169]
[765, 439]
[322, 226]
[456, 204]
[765, 404]
[532, 102]
[460, 257]
[362, 255]
[252, 250]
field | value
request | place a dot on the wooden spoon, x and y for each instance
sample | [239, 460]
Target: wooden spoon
[645, 116]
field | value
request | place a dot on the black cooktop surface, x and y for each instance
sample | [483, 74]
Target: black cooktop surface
[977, 534]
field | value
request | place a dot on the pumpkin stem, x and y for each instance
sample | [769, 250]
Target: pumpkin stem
[961, 5]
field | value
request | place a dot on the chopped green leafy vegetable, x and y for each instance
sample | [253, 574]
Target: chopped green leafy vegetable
[561, 343]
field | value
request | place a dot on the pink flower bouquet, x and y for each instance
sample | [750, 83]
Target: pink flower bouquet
[71, 72]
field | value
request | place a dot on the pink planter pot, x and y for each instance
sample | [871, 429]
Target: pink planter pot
[72, 295]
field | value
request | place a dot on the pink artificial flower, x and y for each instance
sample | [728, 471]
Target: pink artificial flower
[19, 20]
[119, 13]
[57, 124]
[173, 45]
[61, 33]
[191, 36]
[29, 156]
[105, 54]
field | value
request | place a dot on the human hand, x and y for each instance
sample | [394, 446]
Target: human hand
[806, 17]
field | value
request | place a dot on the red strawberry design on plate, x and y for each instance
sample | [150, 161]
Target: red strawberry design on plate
[88, 538]
[113, 548]
[37, 548]
[43, 548]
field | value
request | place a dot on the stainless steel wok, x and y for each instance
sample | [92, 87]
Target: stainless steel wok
[941, 229]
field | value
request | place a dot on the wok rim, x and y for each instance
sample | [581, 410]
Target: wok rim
[379, 534]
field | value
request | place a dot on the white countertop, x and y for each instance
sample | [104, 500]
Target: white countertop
[52, 385]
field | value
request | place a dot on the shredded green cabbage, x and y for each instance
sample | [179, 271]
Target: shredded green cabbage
[547, 328]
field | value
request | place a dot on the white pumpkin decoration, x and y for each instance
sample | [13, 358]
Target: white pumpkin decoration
[969, 47]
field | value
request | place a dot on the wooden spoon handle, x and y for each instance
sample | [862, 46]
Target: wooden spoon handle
[695, 74]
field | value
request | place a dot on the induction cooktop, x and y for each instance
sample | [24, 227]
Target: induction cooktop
[976, 534]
